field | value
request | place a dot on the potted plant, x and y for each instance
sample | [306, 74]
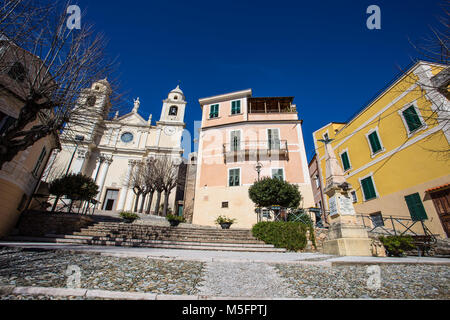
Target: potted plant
[225, 222]
[174, 220]
[129, 217]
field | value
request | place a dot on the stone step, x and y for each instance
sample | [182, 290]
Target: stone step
[136, 226]
[161, 235]
[139, 243]
[182, 239]
[168, 229]
[193, 243]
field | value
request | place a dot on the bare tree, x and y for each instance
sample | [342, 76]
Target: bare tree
[46, 65]
[435, 49]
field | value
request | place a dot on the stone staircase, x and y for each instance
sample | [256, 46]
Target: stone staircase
[109, 233]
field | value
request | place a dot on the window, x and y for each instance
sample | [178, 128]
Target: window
[345, 161]
[5, 122]
[325, 136]
[368, 188]
[17, 72]
[273, 136]
[214, 111]
[39, 162]
[377, 219]
[91, 101]
[278, 174]
[236, 107]
[316, 178]
[374, 141]
[415, 206]
[412, 119]
[225, 204]
[235, 140]
[234, 177]
[173, 111]
[354, 196]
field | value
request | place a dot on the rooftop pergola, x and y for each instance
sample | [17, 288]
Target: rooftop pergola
[271, 105]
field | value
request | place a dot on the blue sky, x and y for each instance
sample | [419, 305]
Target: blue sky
[321, 52]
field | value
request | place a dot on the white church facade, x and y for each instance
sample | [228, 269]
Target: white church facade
[108, 149]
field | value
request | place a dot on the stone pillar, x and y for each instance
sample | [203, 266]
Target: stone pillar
[124, 191]
[102, 175]
[346, 236]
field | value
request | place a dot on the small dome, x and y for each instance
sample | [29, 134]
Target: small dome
[176, 94]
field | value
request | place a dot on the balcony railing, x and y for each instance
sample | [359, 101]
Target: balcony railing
[255, 150]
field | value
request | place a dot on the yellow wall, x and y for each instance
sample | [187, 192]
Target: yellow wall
[405, 161]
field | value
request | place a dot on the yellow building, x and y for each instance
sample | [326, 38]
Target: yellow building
[395, 152]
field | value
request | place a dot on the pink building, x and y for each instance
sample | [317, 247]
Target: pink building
[239, 131]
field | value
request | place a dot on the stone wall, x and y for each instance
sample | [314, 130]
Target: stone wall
[38, 224]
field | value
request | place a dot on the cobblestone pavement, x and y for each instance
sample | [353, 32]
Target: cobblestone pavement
[219, 278]
[48, 269]
[242, 279]
[351, 282]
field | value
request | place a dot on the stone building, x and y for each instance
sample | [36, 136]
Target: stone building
[108, 149]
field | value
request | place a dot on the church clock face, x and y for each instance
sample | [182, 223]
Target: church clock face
[169, 130]
[127, 137]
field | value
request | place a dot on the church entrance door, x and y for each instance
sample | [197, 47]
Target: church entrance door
[110, 199]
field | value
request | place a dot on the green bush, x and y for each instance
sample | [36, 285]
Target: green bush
[269, 192]
[397, 245]
[289, 235]
[129, 215]
[171, 217]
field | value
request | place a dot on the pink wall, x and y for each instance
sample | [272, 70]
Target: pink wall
[215, 173]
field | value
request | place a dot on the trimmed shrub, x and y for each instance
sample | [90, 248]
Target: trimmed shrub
[397, 245]
[289, 235]
[129, 215]
[171, 217]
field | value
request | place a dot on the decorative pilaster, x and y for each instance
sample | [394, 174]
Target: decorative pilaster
[103, 172]
[124, 190]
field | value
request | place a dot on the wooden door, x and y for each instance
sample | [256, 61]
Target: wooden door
[441, 200]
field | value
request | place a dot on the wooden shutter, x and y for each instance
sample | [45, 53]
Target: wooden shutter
[345, 161]
[374, 142]
[412, 119]
[415, 206]
[368, 188]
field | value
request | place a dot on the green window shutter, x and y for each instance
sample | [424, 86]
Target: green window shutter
[412, 119]
[368, 189]
[374, 142]
[345, 161]
[415, 206]
[236, 107]
[214, 111]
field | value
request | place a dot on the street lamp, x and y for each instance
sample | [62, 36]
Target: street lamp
[77, 139]
[258, 168]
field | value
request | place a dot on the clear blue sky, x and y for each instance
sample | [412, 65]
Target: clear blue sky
[318, 51]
